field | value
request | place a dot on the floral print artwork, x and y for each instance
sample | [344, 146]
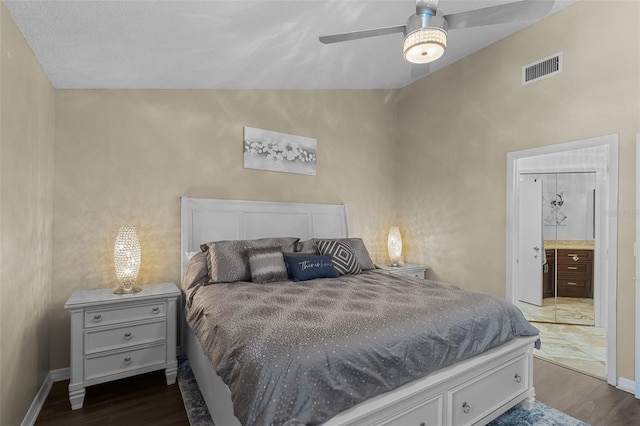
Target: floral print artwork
[279, 152]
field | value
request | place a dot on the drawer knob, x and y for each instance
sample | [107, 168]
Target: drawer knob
[127, 336]
[518, 378]
[423, 424]
[575, 258]
[126, 361]
[97, 318]
[155, 310]
[466, 408]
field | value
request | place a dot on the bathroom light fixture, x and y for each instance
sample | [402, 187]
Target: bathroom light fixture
[394, 245]
[126, 258]
[424, 45]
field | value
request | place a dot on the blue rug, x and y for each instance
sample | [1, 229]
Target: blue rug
[197, 410]
[539, 415]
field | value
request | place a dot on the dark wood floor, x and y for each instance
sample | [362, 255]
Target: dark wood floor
[140, 400]
[147, 400]
[584, 397]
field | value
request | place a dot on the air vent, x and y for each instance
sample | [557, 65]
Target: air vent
[542, 69]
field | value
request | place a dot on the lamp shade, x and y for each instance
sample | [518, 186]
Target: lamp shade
[424, 45]
[394, 245]
[126, 258]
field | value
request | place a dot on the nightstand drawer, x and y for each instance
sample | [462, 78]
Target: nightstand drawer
[415, 274]
[108, 365]
[98, 317]
[99, 340]
[407, 270]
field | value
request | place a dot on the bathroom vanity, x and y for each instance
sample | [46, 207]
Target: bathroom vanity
[572, 260]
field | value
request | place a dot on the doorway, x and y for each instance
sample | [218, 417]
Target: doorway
[597, 156]
[557, 235]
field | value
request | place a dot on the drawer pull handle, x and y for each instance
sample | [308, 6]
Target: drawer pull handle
[155, 310]
[466, 408]
[97, 318]
[126, 361]
[572, 267]
[518, 378]
[127, 336]
[575, 257]
[572, 283]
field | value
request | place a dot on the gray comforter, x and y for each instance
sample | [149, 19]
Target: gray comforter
[299, 353]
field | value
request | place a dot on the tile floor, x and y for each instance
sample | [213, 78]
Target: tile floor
[582, 348]
[569, 310]
[576, 343]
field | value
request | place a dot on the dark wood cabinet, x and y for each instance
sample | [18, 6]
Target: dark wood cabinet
[574, 269]
[549, 274]
[575, 273]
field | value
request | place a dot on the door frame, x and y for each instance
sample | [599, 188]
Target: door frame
[637, 272]
[609, 258]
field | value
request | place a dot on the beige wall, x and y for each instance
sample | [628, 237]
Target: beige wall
[457, 125]
[125, 157]
[26, 213]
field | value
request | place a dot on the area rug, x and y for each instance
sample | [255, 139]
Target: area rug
[539, 415]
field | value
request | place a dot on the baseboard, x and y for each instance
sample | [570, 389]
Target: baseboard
[38, 401]
[626, 385]
[61, 374]
[40, 398]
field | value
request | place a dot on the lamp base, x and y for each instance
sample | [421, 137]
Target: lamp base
[122, 290]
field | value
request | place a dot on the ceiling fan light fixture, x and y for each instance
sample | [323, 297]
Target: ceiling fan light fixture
[424, 45]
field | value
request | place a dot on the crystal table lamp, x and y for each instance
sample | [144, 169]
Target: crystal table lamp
[126, 258]
[394, 245]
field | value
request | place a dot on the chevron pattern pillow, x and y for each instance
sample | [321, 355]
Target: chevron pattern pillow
[341, 255]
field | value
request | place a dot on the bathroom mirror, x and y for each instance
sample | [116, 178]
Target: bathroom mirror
[565, 291]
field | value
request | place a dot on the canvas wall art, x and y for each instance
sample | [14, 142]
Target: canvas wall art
[279, 152]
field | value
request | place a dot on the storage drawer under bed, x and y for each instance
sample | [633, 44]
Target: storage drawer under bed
[470, 401]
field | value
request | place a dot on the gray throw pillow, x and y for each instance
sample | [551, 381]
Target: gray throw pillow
[341, 255]
[266, 264]
[227, 259]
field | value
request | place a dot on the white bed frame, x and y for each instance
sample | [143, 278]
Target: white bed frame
[471, 392]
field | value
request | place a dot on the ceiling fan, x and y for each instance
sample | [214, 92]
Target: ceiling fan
[425, 33]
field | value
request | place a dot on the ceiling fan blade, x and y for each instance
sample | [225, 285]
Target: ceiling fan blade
[419, 71]
[355, 35]
[528, 10]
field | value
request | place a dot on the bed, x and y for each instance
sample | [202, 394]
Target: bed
[469, 389]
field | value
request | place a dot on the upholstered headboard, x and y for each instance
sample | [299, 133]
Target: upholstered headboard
[205, 220]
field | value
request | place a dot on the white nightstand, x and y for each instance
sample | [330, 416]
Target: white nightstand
[120, 335]
[412, 270]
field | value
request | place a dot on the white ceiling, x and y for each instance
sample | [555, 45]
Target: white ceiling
[232, 44]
